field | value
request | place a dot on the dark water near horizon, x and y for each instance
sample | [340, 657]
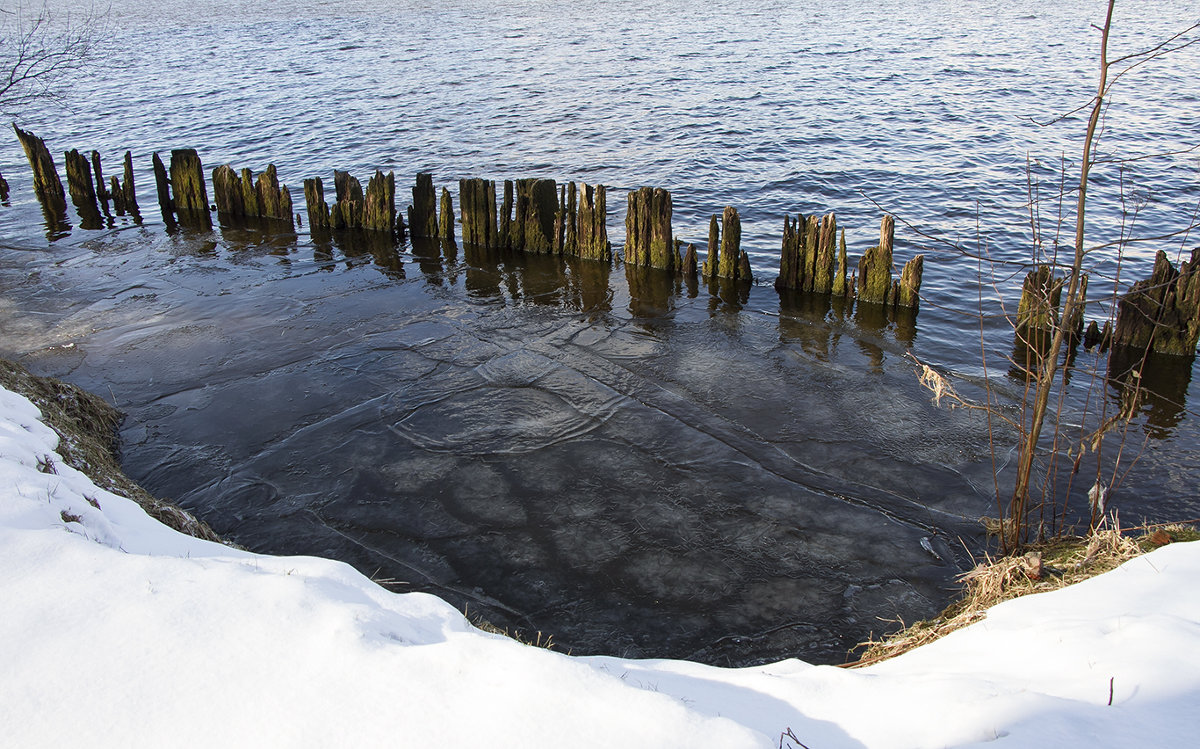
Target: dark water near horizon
[633, 465]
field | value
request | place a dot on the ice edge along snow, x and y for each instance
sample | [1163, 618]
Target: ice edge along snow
[118, 631]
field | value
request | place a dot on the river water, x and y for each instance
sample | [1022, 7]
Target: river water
[630, 464]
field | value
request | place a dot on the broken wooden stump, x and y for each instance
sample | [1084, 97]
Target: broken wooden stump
[648, 238]
[189, 194]
[446, 218]
[726, 259]
[811, 259]
[101, 187]
[1038, 310]
[1162, 313]
[906, 290]
[82, 188]
[46, 183]
[591, 223]
[422, 214]
[532, 228]
[477, 210]
[875, 266]
[125, 188]
[241, 196]
[379, 205]
[163, 189]
[3, 189]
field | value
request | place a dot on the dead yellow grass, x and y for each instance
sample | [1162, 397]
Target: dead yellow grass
[1045, 567]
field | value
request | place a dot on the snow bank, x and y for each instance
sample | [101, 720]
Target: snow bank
[119, 631]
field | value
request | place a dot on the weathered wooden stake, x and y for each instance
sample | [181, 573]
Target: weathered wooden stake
[163, 185]
[101, 189]
[422, 214]
[477, 209]
[648, 239]
[446, 218]
[875, 266]
[908, 288]
[1162, 312]
[591, 220]
[79, 182]
[3, 188]
[46, 183]
[379, 203]
[318, 209]
[730, 261]
[128, 191]
[188, 188]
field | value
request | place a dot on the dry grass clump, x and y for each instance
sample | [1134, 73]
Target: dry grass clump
[1045, 567]
[87, 431]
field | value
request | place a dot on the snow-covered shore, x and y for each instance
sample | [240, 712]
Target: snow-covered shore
[118, 631]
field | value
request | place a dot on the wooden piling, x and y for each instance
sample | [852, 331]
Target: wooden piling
[46, 183]
[477, 210]
[128, 190]
[1162, 313]
[908, 288]
[648, 238]
[446, 218]
[163, 188]
[730, 262]
[102, 194]
[591, 222]
[79, 182]
[875, 266]
[3, 189]
[318, 209]
[379, 203]
[188, 188]
[533, 226]
[422, 214]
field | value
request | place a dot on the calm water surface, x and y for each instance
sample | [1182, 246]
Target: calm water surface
[636, 466]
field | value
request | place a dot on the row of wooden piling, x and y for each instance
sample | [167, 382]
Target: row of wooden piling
[1161, 313]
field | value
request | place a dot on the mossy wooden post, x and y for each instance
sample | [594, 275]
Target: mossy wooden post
[446, 218]
[809, 235]
[570, 221]
[690, 263]
[875, 266]
[662, 242]
[789, 255]
[101, 189]
[477, 208]
[537, 204]
[188, 188]
[247, 195]
[318, 209]
[908, 288]
[504, 236]
[648, 239]
[46, 183]
[422, 214]
[79, 182]
[128, 191]
[840, 286]
[826, 254]
[592, 223]
[1037, 312]
[712, 256]
[729, 265]
[227, 192]
[347, 210]
[379, 203]
[163, 189]
[1162, 312]
[274, 200]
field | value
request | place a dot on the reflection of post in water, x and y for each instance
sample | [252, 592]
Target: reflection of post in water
[804, 318]
[590, 292]
[427, 251]
[257, 234]
[650, 290]
[871, 320]
[727, 294]
[1151, 382]
[380, 247]
[482, 271]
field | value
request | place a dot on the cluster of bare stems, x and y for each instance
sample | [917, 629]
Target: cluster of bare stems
[1036, 510]
[40, 52]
